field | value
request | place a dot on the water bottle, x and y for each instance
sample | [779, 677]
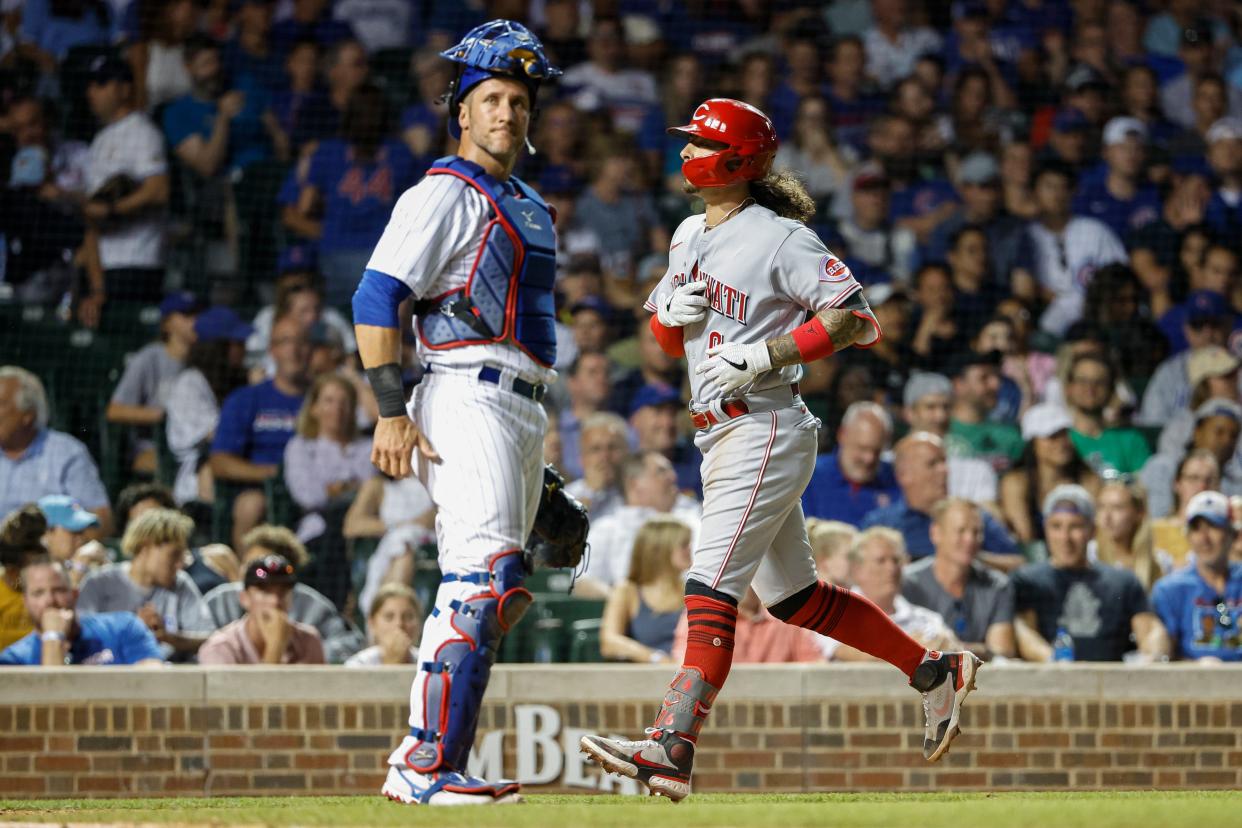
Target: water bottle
[1063, 646]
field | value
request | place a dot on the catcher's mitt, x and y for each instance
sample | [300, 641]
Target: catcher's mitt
[561, 524]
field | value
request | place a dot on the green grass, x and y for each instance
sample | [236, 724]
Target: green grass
[1163, 809]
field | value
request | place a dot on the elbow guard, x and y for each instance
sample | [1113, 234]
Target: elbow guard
[377, 298]
[672, 340]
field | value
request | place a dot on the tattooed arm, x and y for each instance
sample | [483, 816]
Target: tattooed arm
[842, 326]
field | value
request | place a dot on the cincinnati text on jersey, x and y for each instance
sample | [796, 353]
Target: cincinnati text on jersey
[722, 297]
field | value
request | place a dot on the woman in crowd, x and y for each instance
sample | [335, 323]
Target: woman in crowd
[1048, 460]
[214, 369]
[641, 614]
[158, 56]
[1123, 536]
[326, 460]
[1199, 471]
[394, 624]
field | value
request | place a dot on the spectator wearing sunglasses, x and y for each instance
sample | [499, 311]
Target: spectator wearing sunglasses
[265, 634]
[1201, 604]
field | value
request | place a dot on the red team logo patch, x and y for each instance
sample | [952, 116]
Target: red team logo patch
[832, 269]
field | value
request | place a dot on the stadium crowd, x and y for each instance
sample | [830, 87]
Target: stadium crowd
[1042, 198]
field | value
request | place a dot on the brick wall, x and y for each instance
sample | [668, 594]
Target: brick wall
[112, 732]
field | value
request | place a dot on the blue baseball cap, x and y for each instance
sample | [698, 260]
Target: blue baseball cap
[109, 67]
[65, 512]
[1205, 305]
[1070, 119]
[182, 301]
[591, 303]
[655, 394]
[221, 323]
[298, 257]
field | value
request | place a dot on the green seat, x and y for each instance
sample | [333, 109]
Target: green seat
[584, 641]
[550, 580]
[222, 510]
[282, 510]
[555, 616]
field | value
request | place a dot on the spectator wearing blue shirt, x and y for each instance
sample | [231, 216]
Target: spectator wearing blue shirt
[37, 461]
[46, 36]
[922, 473]
[1119, 197]
[1201, 605]
[301, 107]
[1224, 156]
[1211, 283]
[354, 182]
[257, 421]
[63, 637]
[654, 412]
[212, 129]
[853, 481]
[250, 55]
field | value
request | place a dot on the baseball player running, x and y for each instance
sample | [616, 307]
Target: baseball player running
[751, 293]
[476, 248]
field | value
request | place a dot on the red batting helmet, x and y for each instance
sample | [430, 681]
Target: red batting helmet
[747, 132]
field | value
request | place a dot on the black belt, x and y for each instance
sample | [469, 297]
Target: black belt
[491, 374]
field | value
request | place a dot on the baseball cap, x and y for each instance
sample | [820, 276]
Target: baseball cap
[65, 512]
[181, 301]
[964, 360]
[107, 68]
[591, 303]
[1045, 420]
[978, 168]
[1211, 506]
[1210, 361]
[1069, 498]
[296, 258]
[923, 384]
[1118, 129]
[1219, 407]
[221, 323]
[1205, 305]
[1069, 119]
[1224, 129]
[270, 570]
[655, 394]
[1083, 77]
[870, 176]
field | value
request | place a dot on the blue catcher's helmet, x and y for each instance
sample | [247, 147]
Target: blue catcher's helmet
[501, 48]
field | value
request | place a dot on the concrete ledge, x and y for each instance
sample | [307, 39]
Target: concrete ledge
[610, 682]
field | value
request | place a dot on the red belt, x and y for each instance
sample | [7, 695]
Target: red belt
[730, 408]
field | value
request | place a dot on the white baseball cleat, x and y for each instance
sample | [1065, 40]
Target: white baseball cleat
[945, 679]
[409, 787]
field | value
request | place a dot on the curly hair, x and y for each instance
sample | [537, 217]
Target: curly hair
[783, 193]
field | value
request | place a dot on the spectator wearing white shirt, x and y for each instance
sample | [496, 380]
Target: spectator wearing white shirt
[326, 460]
[650, 486]
[128, 187]
[1067, 249]
[394, 624]
[893, 46]
[879, 554]
[213, 371]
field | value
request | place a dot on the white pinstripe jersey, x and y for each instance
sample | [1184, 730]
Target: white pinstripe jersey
[763, 273]
[430, 244]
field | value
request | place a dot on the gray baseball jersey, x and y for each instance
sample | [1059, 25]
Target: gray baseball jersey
[764, 274]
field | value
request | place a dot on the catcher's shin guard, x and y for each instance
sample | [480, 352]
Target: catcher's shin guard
[472, 612]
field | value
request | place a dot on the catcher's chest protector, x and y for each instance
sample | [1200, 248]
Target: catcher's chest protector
[509, 294]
